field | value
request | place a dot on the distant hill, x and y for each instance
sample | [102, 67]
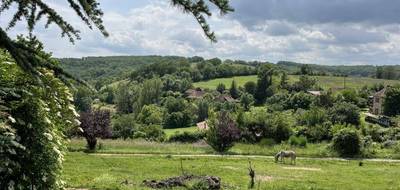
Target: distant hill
[111, 67]
[356, 70]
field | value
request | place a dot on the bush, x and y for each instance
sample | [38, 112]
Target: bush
[187, 137]
[151, 133]
[347, 142]
[151, 114]
[345, 112]
[300, 100]
[124, 127]
[298, 141]
[222, 133]
[267, 142]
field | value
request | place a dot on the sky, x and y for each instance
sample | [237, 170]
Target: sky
[334, 32]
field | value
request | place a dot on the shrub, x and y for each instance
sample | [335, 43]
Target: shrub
[177, 120]
[151, 114]
[298, 141]
[397, 148]
[222, 133]
[95, 124]
[313, 117]
[345, 112]
[187, 137]
[267, 142]
[300, 100]
[151, 133]
[124, 127]
[347, 142]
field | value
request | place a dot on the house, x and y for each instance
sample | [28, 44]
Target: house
[377, 102]
[202, 126]
[195, 93]
[315, 93]
[225, 98]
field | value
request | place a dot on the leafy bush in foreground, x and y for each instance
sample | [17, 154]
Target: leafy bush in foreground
[347, 142]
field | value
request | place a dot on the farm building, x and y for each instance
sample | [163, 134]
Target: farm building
[377, 102]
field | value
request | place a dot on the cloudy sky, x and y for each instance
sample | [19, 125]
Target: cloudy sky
[348, 32]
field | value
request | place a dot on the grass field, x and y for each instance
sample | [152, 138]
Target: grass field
[95, 171]
[144, 147]
[325, 82]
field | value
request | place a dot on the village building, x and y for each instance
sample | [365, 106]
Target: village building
[197, 93]
[225, 98]
[314, 93]
[377, 102]
[202, 126]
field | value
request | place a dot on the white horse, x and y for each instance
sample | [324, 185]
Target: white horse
[282, 154]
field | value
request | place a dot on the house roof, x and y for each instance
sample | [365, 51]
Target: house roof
[225, 98]
[195, 93]
[315, 93]
[202, 125]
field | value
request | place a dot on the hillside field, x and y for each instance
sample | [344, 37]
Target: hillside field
[325, 82]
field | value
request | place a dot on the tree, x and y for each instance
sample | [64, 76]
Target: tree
[347, 142]
[300, 100]
[264, 82]
[344, 112]
[203, 108]
[221, 88]
[178, 113]
[95, 124]
[305, 83]
[234, 90]
[222, 132]
[284, 81]
[306, 69]
[150, 93]
[250, 87]
[124, 98]
[391, 105]
[124, 127]
[151, 115]
[33, 121]
[83, 99]
[246, 100]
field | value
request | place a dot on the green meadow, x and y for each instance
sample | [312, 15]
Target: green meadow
[325, 82]
[121, 171]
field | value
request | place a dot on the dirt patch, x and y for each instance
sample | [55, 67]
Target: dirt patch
[264, 178]
[211, 182]
[302, 168]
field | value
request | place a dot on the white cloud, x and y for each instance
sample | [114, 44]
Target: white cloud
[154, 27]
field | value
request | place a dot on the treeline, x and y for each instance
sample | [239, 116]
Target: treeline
[340, 70]
[196, 71]
[100, 71]
[388, 72]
